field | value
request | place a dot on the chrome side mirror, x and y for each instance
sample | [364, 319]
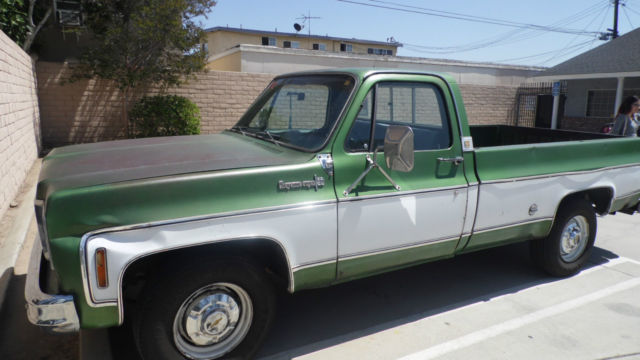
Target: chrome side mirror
[398, 148]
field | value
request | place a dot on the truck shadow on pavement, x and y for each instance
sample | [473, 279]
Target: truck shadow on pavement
[316, 319]
[19, 340]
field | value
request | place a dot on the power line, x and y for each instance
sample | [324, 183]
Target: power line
[563, 51]
[632, 10]
[624, 10]
[458, 16]
[508, 38]
[582, 44]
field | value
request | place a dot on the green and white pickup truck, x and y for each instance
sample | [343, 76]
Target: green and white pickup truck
[329, 176]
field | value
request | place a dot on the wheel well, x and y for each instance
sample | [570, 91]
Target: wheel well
[266, 254]
[600, 197]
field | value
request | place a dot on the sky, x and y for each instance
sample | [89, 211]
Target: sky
[508, 32]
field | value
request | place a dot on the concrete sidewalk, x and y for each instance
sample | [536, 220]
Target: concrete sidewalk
[17, 225]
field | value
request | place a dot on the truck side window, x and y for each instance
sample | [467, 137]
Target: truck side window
[418, 105]
[360, 134]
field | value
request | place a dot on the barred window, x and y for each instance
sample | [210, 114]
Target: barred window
[600, 103]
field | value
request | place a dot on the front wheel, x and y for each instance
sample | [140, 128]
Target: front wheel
[569, 244]
[215, 310]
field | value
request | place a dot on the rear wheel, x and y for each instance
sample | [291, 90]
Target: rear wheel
[569, 244]
[216, 310]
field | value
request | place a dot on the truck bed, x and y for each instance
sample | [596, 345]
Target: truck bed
[501, 135]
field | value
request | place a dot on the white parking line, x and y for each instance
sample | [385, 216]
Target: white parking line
[498, 329]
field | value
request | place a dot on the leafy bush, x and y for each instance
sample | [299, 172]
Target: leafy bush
[13, 20]
[164, 115]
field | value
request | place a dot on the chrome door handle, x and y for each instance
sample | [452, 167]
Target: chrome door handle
[456, 160]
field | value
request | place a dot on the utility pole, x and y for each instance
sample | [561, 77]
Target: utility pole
[615, 20]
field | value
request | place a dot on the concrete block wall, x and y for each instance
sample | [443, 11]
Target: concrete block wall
[90, 110]
[489, 105]
[19, 119]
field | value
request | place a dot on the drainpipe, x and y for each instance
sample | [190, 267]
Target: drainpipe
[619, 92]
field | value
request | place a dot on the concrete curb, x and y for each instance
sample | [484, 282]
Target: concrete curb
[15, 227]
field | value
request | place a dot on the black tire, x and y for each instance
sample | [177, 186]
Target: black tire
[564, 257]
[161, 333]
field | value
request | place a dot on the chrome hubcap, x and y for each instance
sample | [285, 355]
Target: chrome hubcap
[574, 238]
[212, 321]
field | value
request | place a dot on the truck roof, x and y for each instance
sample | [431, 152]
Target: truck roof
[362, 73]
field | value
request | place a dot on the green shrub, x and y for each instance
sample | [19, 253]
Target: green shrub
[13, 20]
[164, 115]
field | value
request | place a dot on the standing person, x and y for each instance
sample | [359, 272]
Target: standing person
[625, 122]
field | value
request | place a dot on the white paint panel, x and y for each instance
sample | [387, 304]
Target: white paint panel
[308, 234]
[370, 225]
[508, 202]
[472, 206]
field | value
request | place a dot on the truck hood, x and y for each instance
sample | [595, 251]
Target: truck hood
[124, 160]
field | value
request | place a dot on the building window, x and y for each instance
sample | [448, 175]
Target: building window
[291, 44]
[376, 51]
[601, 103]
[346, 47]
[268, 41]
[321, 47]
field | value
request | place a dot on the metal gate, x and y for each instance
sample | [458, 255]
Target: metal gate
[533, 105]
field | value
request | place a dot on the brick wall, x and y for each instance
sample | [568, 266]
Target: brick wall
[90, 110]
[19, 119]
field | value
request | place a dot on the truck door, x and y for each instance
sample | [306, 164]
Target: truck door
[379, 226]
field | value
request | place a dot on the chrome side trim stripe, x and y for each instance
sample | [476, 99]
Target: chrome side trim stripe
[493, 228]
[568, 173]
[626, 195]
[313, 264]
[397, 248]
[403, 193]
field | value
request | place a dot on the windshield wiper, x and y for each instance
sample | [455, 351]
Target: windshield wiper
[271, 137]
[241, 129]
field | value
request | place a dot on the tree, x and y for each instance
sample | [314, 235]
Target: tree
[19, 21]
[143, 42]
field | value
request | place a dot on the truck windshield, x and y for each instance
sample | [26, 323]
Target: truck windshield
[299, 111]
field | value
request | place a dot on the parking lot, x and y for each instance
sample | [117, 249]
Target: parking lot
[491, 304]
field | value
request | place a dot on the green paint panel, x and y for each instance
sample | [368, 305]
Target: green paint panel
[350, 269]
[508, 235]
[428, 172]
[315, 277]
[514, 161]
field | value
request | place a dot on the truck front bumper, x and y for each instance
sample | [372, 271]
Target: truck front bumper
[56, 313]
